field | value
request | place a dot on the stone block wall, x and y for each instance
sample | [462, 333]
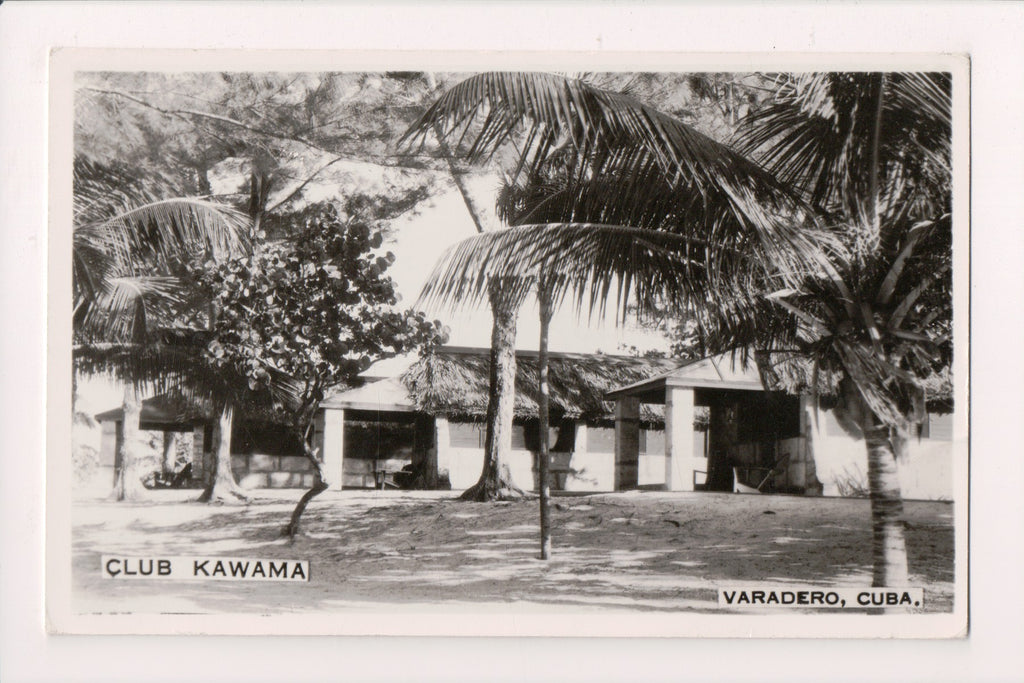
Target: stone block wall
[258, 470]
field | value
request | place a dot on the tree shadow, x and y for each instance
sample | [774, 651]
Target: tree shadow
[657, 554]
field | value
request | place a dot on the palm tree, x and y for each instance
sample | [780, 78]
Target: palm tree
[595, 137]
[872, 154]
[124, 242]
[865, 302]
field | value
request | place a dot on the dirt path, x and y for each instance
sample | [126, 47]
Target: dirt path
[636, 550]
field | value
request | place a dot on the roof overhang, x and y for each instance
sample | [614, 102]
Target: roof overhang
[386, 395]
[156, 413]
[718, 372]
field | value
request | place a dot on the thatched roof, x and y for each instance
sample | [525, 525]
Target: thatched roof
[453, 381]
[795, 374]
[161, 411]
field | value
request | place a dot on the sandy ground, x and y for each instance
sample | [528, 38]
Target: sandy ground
[635, 550]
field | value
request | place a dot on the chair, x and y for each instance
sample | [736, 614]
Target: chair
[766, 474]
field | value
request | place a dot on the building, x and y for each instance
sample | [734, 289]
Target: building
[431, 421]
[760, 440]
[617, 423]
[264, 454]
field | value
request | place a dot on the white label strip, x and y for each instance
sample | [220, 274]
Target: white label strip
[203, 568]
[820, 597]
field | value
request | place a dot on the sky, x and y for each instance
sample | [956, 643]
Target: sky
[420, 240]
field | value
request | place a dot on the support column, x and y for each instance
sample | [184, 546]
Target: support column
[581, 461]
[808, 435]
[627, 443]
[333, 452]
[118, 450]
[580, 438]
[680, 458]
[168, 458]
[109, 447]
[442, 447]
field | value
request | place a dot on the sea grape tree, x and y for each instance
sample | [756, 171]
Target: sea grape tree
[312, 312]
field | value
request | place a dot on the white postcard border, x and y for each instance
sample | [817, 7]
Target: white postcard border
[981, 34]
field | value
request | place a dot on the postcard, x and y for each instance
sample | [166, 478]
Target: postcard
[565, 344]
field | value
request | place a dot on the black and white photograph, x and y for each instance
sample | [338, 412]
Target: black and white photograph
[586, 343]
[519, 341]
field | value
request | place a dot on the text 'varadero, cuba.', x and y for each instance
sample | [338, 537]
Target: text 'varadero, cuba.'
[204, 568]
[844, 597]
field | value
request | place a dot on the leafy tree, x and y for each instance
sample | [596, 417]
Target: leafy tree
[654, 212]
[125, 243]
[285, 128]
[318, 309]
[279, 132]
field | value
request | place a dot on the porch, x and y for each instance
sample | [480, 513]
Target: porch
[755, 439]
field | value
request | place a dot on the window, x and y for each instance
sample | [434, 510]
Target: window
[525, 436]
[652, 441]
[265, 438]
[519, 437]
[601, 439]
[938, 427]
[466, 434]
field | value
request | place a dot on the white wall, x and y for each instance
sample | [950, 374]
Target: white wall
[925, 474]
[465, 465]
[593, 472]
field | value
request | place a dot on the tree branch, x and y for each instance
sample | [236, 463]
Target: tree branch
[304, 183]
[188, 115]
[456, 175]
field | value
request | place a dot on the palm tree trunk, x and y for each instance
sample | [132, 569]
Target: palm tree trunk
[128, 485]
[888, 546]
[203, 186]
[223, 488]
[496, 480]
[543, 403]
[876, 145]
[475, 212]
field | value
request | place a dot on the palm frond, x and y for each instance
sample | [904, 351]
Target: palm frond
[124, 306]
[815, 134]
[597, 264]
[174, 362]
[120, 261]
[600, 129]
[159, 232]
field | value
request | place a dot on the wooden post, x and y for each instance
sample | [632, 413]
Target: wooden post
[198, 449]
[118, 454]
[333, 454]
[627, 443]
[442, 447]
